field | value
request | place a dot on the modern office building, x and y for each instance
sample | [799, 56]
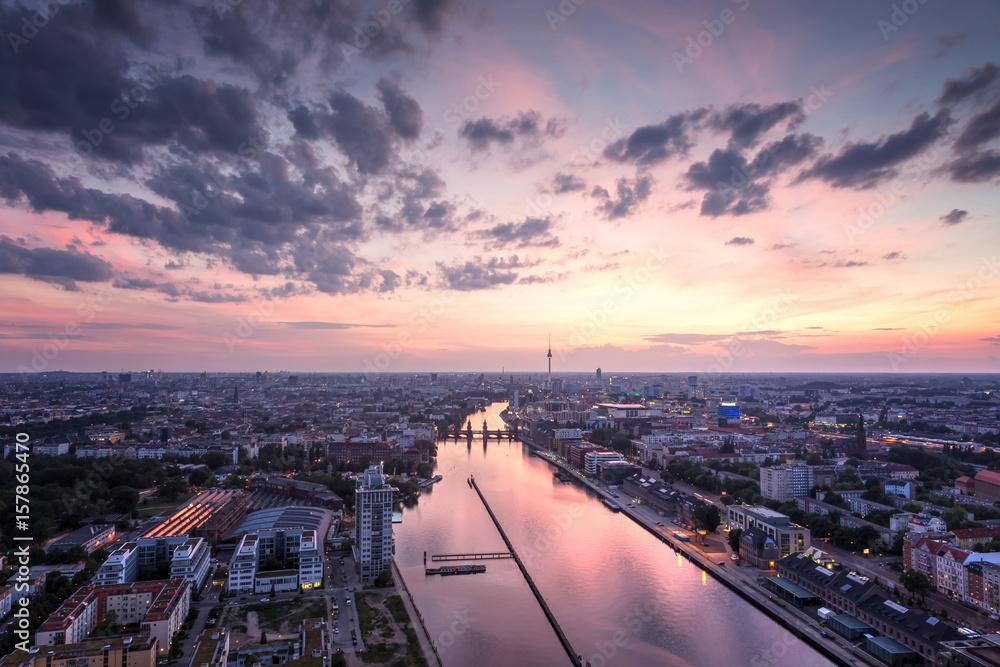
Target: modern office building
[790, 538]
[784, 483]
[189, 559]
[729, 411]
[121, 567]
[373, 502]
[299, 549]
[591, 459]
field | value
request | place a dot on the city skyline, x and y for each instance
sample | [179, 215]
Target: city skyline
[733, 187]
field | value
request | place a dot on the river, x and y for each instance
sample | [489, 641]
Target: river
[622, 597]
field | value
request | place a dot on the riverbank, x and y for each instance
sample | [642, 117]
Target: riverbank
[426, 643]
[733, 578]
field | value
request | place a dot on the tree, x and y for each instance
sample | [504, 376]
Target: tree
[174, 488]
[915, 582]
[708, 517]
[954, 517]
[199, 476]
[734, 539]
[263, 638]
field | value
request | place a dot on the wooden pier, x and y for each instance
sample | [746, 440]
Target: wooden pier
[486, 556]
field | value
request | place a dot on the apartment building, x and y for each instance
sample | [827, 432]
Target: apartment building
[373, 501]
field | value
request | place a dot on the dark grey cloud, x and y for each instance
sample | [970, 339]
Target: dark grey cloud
[404, 112]
[567, 183]
[265, 220]
[360, 133]
[981, 128]
[481, 273]
[334, 325]
[364, 134]
[746, 123]
[548, 277]
[735, 187]
[122, 325]
[974, 80]
[991, 339]
[304, 122]
[527, 126]
[740, 240]
[893, 256]
[629, 193]
[74, 78]
[430, 14]
[124, 17]
[946, 43]
[865, 164]
[954, 216]
[531, 233]
[652, 144]
[975, 168]
[687, 338]
[61, 267]
[231, 34]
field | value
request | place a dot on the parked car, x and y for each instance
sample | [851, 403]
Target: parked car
[265, 599]
[348, 602]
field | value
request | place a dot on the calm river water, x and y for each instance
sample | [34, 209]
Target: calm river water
[622, 597]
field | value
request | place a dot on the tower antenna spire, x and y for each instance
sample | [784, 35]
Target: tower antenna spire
[549, 355]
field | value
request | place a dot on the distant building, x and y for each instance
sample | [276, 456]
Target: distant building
[790, 538]
[120, 651]
[189, 560]
[730, 412]
[91, 538]
[160, 608]
[373, 501]
[786, 482]
[317, 495]
[966, 485]
[299, 548]
[757, 549]
[592, 458]
[987, 485]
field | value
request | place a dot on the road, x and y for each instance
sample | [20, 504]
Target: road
[959, 612]
[341, 581]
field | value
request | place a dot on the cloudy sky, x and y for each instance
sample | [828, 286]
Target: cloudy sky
[409, 185]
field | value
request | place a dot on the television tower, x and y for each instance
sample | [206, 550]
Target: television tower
[549, 355]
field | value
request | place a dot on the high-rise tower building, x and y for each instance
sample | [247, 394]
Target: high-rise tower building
[373, 513]
[549, 355]
[598, 376]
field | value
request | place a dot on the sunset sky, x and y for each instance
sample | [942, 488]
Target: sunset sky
[440, 185]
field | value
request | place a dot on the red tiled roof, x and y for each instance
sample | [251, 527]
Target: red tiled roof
[972, 533]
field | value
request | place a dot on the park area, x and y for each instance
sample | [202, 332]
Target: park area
[253, 623]
[387, 631]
